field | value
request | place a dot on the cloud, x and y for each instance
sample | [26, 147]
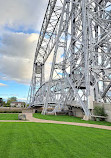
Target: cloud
[15, 13]
[17, 54]
[1, 85]
[22, 99]
[18, 44]
[19, 19]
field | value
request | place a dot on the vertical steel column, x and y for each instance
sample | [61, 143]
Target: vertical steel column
[42, 75]
[85, 47]
[72, 39]
[96, 56]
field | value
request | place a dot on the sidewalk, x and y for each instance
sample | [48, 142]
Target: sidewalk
[32, 119]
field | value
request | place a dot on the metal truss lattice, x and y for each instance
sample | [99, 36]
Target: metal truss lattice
[78, 35]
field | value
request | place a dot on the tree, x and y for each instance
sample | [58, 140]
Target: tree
[27, 105]
[10, 100]
[2, 102]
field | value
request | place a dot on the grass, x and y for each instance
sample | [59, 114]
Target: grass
[34, 140]
[8, 116]
[67, 118]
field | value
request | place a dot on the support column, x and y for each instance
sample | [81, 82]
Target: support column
[85, 51]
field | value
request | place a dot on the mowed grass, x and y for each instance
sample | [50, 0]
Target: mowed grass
[67, 118]
[8, 116]
[36, 140]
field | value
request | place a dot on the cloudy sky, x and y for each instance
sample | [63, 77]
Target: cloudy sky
[20, 24]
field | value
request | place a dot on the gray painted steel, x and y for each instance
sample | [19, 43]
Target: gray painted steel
[77, 33]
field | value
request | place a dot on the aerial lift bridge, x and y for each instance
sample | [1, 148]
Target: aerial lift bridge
[76, 38]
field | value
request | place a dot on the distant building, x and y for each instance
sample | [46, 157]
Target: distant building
[17, 104]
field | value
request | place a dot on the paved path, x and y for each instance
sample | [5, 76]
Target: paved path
[32, 119]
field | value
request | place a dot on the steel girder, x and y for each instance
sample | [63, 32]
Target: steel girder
[45, 46]
[81, 32]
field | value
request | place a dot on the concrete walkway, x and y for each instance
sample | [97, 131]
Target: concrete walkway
[30, 118]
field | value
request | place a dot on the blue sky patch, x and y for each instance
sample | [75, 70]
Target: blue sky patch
[13, 88]
[20, 29]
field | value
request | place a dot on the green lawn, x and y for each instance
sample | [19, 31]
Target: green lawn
[8, 116]
[67, 118]
[36, 140]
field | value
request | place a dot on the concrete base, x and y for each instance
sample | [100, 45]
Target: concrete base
[107, 109]
[77, 112]
[86, 118]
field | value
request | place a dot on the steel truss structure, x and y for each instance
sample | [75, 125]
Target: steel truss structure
[78, 35]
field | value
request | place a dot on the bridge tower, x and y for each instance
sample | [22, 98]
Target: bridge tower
[77, 34]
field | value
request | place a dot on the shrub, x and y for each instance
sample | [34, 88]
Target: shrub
[99, 111]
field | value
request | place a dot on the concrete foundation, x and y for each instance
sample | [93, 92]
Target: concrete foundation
[78, 112]
[107, 109]
[75, 111]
